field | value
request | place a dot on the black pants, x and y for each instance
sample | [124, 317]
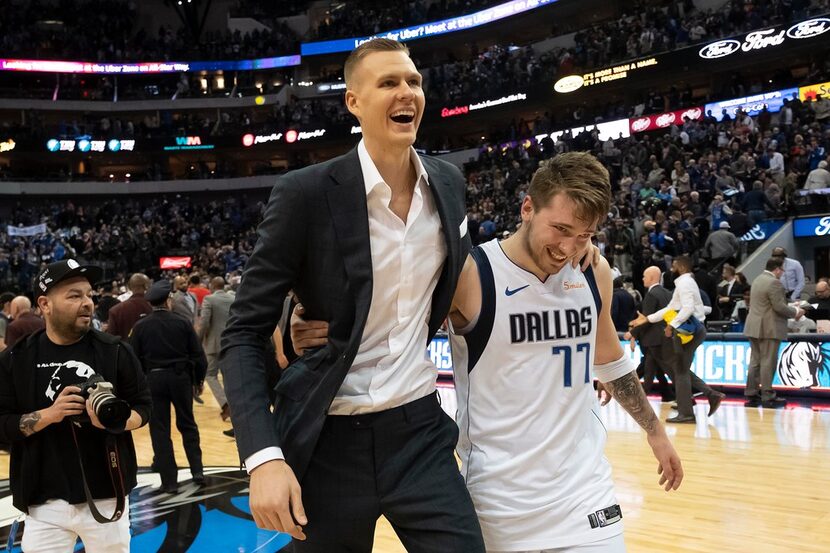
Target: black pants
[397, 463]
[683, 377]
[166, 387]
[654, 366]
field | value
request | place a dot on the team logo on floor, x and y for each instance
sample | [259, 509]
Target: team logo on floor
[804, 365]
[212, 517]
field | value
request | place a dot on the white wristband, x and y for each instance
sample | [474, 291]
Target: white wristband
[614, 369]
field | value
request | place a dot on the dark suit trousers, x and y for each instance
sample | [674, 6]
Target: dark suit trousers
[684, 355]
[398, 463]
[655, 364]
[763, 358]
[169, 387]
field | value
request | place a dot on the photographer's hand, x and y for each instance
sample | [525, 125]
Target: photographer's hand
[92, 416]
[67, 404]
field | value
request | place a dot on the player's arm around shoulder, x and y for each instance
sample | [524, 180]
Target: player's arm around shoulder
[617, 374]
[466, 303]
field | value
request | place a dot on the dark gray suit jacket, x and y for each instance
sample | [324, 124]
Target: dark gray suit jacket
[651, 334]
[314, 239]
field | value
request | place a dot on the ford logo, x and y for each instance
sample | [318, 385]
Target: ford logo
[719, 49]
[810, 28]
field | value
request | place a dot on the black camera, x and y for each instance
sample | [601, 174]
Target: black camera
[111, 411]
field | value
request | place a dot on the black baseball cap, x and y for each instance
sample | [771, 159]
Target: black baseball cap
[59, 271]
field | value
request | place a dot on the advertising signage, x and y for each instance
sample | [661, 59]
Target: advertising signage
[663, 120]
[766, 39]
[426, 30]
[145, 68]
[810, 92]
[762, 230]
[801, 365]
[466, 109]
[753, 105]
[811, 227]
[85, 145]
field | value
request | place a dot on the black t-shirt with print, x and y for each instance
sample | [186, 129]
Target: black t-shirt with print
[59, 473]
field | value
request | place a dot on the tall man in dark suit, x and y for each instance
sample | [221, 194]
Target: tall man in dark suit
[766, 326]
[657, 349]
[371, 242]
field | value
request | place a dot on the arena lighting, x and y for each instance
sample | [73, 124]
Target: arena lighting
[291, 136]
[259, 100]
[7, 146]
[426, 30]
[145, 68]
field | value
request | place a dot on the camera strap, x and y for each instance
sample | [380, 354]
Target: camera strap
[114, 464]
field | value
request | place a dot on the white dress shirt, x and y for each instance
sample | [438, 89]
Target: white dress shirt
[392, 366]
[685, 300]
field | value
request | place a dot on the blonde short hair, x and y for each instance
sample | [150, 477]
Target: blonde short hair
[374, 45]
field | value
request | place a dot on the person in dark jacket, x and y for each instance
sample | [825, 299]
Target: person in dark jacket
[623, 308]
[123, 316]
[53, 429]
[175, 365]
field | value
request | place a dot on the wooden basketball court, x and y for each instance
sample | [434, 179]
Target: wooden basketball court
[756, 480]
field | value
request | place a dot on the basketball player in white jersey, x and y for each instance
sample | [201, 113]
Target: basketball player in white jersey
[529, 333]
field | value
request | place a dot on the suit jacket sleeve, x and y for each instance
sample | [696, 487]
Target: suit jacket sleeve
[271, 272]
[778, 300]
[204, 324]
[649, 306]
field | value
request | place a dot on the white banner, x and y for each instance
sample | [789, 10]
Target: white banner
[34, 230]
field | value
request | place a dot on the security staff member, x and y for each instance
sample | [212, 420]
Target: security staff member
[175, 364]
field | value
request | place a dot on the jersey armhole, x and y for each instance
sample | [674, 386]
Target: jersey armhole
[592, 284]
[477, 333]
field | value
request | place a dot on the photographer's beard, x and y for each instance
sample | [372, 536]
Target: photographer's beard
[71, 326]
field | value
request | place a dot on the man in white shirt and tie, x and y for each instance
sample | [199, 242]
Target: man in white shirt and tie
[686, 302]
[793, 276]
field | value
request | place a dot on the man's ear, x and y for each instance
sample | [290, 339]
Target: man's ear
[352, 103]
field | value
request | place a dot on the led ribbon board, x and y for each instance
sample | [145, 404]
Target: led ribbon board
[426, 30]
[144, 68]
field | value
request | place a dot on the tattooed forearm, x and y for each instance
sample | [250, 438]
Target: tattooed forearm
[629, 393]
[28, 422]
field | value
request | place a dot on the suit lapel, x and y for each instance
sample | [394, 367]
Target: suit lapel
[350, 216]
[443, 202]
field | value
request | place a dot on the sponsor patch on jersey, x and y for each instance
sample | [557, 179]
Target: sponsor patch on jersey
[605, 517]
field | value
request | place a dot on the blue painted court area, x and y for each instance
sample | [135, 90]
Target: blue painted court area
[212, 517]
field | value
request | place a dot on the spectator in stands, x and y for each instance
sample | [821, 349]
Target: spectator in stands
[721, 245]
[818, 178]
[756, 202]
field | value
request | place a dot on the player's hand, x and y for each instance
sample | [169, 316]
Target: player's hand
[587, 258]
[276, 499]
[67, 404]
[668, 461]
[603, 391]
[307, 334]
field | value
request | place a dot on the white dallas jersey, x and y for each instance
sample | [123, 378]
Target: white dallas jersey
[531, 441]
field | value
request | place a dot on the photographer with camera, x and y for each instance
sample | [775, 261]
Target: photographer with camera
[69, 397]
[175, 364]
